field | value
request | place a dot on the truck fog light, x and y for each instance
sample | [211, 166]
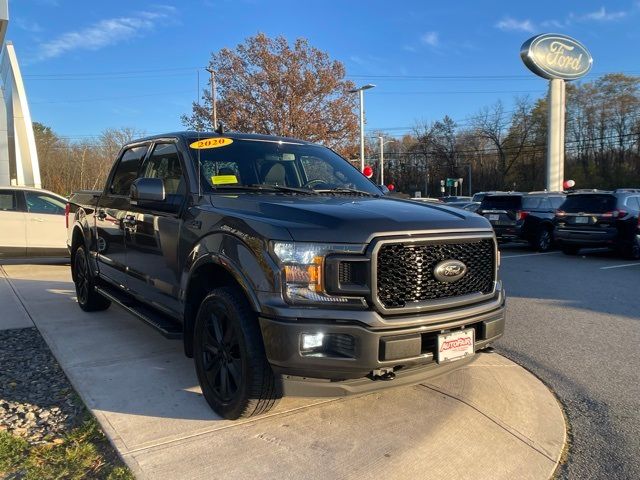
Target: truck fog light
[312, 340]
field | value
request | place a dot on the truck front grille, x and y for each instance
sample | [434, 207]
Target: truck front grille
[405, 276]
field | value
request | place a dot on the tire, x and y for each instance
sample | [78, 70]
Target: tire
[88, 299]
[543, 241]
[570, 249]
[234, 374]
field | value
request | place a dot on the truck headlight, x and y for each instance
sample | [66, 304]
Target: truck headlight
[303, 271]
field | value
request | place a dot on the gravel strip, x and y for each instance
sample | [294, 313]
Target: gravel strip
[37, 402]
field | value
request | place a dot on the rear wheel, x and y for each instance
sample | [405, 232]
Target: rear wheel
[544, 240]
[236, 378]
[570, 249]
[88, 299]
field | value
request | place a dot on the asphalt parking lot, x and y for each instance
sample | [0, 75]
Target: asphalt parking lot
[575, 323]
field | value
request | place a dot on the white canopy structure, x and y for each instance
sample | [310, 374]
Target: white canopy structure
[18, 155]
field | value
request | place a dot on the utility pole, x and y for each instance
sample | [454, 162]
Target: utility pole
[360, 91]
[381, 159]
[214, 114]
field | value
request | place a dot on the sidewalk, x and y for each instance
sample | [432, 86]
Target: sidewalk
[491, 419]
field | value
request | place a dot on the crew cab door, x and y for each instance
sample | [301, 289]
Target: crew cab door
[153, 232]
[13, 229]
[110, 216]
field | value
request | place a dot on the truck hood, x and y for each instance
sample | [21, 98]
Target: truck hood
[345, 219]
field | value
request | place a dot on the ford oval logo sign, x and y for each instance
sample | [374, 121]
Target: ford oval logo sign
[552, 55]
[449, 271]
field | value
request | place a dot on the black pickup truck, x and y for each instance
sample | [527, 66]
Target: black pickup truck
[283, 269]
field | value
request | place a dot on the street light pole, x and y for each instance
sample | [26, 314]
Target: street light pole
[382, 144]
[213, 97]
[361, 90]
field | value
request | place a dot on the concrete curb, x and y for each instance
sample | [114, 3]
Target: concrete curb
[490, 419]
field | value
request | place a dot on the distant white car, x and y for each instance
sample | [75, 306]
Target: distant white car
[32, 223]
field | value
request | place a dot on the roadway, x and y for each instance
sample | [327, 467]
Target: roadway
[575, 323]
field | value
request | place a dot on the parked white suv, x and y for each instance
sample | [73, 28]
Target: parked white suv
[32, 223]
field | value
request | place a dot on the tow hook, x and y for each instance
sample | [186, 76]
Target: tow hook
[384, 374]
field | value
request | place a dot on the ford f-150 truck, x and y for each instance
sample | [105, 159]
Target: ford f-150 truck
[283, 269]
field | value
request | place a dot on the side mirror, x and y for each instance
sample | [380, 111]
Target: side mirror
[385, 190]
[147, 190]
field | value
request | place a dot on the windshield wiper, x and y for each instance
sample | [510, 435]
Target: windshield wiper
[348, 190]
[266, 188]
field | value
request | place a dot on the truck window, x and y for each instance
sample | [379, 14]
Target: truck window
[127, 170]
[164, 163]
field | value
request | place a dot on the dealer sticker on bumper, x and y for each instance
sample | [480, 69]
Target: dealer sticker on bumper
[456, 345]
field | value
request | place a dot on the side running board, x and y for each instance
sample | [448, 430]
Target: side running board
[162, 323]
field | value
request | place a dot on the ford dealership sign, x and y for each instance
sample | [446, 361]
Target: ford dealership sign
[552, 55]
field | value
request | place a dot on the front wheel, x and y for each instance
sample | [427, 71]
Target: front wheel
[234, 374]
[88, 299]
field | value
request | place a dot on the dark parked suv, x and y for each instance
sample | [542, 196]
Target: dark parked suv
[600, 219]
[283, 269]
[519, 216]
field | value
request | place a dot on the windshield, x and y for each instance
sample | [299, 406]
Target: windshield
[589, 203]
[235, 163]
[501, 202]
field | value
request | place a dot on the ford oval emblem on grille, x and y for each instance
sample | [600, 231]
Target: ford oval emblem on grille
[449, 271]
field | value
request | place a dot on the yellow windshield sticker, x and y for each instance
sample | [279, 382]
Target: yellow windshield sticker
[223, 179]
[216, 142]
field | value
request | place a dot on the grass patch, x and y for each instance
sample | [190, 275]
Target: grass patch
[81, 454]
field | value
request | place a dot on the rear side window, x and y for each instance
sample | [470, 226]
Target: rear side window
[501, 202]
[556, 201]
[589, 203]
[8, 202]
[127, 170]
[633, 202]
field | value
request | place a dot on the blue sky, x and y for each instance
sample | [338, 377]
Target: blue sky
[90, 65]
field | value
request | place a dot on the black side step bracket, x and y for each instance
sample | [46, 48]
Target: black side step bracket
[161, 322]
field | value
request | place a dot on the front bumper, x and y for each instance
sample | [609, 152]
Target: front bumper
[408, 350]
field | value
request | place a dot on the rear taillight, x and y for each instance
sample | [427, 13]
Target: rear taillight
[67, 210]
[615, 214]
[521, 215]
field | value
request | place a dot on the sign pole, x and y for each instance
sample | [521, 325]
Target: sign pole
[557, 58]
[555, 131]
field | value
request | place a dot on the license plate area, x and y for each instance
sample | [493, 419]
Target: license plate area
[456, 345]
[582, 220]
[494, 218]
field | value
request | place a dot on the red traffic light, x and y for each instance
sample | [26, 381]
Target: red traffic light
[367, 171]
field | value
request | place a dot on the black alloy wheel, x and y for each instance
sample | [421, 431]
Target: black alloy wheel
[82, 277]
[88, 299]
[221, 362]
[545, 240]
[234, 373]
